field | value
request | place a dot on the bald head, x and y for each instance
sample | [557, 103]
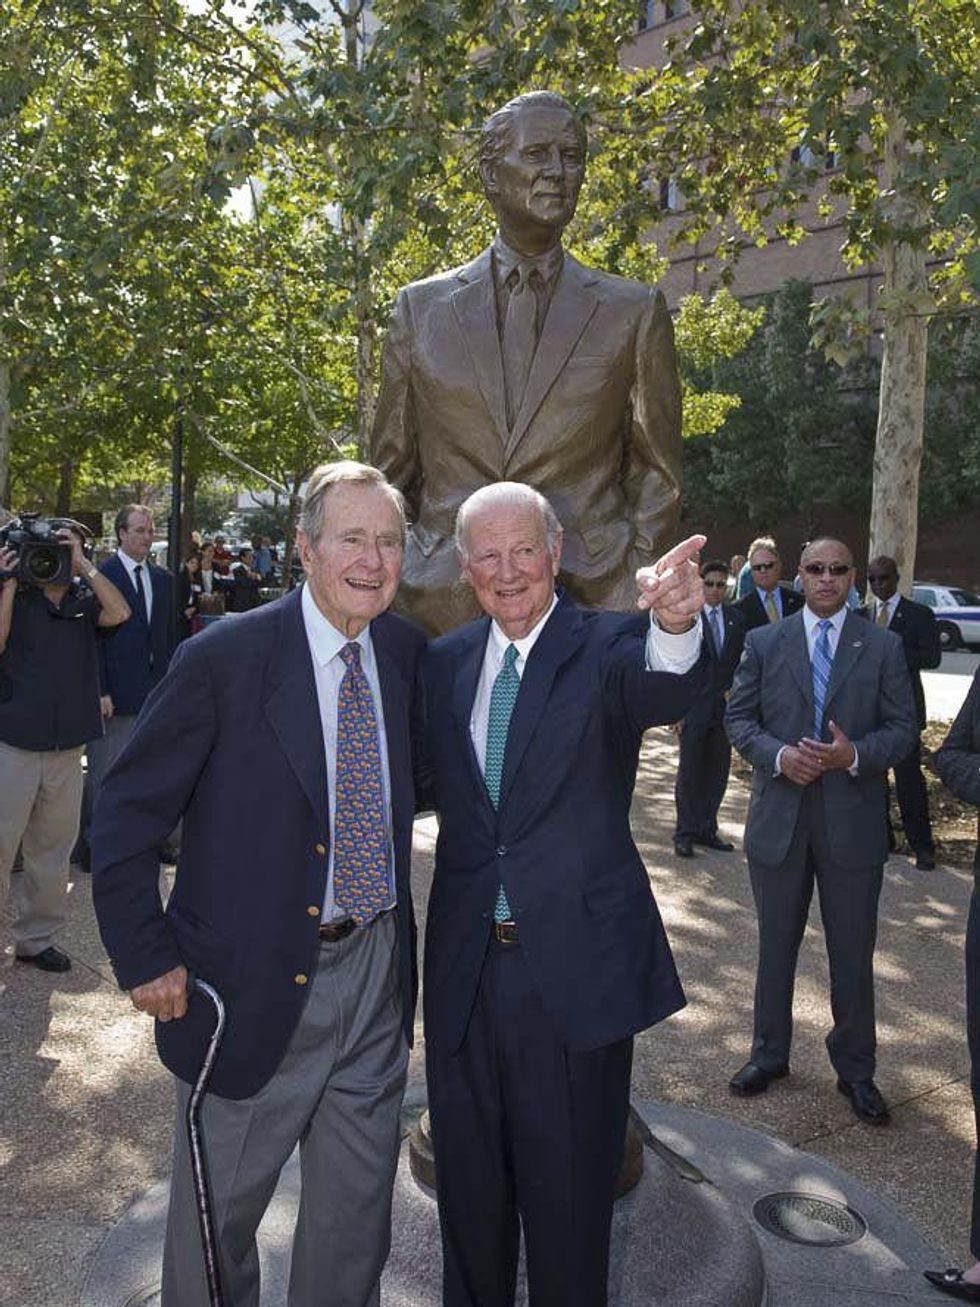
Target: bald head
[499, 498]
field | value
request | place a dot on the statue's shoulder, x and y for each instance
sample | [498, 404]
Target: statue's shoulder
[609, 284]
[443, 283]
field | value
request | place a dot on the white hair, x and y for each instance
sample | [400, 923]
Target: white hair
[506, 494]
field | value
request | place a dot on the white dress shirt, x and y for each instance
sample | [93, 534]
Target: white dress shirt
[131, 565]
[325, 643]
[665, 652]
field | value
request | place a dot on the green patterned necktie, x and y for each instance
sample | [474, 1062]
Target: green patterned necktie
[502, 699]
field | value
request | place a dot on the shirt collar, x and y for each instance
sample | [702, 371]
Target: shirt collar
[525, 644]
[324, 639]
[810, 619]
[709, 609]
[547, 264]
[131, 564]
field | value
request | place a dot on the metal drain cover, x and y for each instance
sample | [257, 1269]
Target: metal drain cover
[809, 1219]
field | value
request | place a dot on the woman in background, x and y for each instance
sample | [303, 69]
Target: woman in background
[188, 592]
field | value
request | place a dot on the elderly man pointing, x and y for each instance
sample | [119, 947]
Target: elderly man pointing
[545, 952]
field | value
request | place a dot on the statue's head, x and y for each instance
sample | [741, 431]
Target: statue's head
[532, 162]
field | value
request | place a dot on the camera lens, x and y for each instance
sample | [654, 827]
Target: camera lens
[43, 564]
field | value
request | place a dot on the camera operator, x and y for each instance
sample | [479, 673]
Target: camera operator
[49, 708]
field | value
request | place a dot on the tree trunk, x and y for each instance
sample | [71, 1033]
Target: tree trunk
[66, 484]
[189, 507]
[292, 518]
[902, 395]
[5, 422]
[365, 355]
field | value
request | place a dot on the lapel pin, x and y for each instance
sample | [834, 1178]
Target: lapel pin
[856, 644]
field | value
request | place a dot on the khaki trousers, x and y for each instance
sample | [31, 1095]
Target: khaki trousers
[40, 800]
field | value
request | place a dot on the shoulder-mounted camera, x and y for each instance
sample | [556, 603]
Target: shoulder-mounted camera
[42, 557]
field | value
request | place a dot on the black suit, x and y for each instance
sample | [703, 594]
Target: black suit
[916, 626]
[958, 764]
[755, 615]
[705, 753]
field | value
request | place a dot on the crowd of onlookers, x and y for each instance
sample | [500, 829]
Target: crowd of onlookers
[213, 580]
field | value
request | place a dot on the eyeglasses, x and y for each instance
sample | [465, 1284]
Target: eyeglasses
[762, 567]
[834, 569]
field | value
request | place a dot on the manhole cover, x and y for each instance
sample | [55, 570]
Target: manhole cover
[809, 1219]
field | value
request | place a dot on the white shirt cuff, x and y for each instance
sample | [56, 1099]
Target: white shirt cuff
[667, 652]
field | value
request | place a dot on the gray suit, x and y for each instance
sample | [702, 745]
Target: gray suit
[831, 830]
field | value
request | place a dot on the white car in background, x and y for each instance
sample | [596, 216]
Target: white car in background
[957, 612]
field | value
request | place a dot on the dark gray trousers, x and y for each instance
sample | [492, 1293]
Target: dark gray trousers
[337, 1093]
[849, 910]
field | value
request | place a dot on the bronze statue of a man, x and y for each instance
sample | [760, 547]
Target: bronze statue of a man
[524, 365]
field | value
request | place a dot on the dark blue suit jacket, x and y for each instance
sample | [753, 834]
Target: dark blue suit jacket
[240, 703]
[708, 708]
[560, 841]
[134, 658]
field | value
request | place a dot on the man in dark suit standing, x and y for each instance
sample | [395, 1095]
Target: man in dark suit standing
[526, 365]
[769, 600]
[134, 657]
[916, 627]
[297, 909]
[545, 952]
[821, 707]
[705, 752]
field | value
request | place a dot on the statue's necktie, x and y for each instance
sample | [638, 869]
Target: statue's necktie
[141, 595]
[772, 612]
[882, 618]
[519, 337]
[820, 665]
[503, 696]
[360, 838]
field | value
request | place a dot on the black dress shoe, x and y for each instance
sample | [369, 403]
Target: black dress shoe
[684, 848]
[866, 1100]
[49, 959]
[925, 860]
[752, 1079]
[952, 1282]
[715, 842]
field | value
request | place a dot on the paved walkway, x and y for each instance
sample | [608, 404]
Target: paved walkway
[86, 1119]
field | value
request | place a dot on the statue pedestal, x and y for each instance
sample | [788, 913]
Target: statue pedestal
[676, 1241]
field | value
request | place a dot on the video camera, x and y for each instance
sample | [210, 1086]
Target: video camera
[42, 557]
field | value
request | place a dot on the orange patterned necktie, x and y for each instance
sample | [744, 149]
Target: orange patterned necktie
[360, 838]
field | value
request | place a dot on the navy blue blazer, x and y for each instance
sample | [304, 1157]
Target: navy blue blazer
[134, 657]
[755, 615]
[239, 703]
[917, 628]
[560, 841]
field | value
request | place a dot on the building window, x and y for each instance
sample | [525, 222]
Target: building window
[674, 9]
[644, 17]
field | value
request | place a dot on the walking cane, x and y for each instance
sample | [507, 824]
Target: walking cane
[202, 1192]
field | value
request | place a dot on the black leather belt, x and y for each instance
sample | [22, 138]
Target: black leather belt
[505, 932]
[334, 931]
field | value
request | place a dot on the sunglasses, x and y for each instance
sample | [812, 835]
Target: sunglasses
[715, 585]
[834, 569]
[879, 576]
[762, 567]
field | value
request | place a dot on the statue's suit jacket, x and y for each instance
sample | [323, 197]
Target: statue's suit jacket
[771, 704]
[560, 840]
[598, 432]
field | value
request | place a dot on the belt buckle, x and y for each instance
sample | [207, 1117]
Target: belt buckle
[505, 932]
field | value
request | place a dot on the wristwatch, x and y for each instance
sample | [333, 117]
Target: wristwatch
[89, 572]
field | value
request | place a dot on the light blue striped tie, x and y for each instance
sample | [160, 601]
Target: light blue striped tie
[820, 665]
[714, 618]
[502, 699]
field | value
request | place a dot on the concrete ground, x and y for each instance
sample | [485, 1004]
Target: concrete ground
[86, 1121]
